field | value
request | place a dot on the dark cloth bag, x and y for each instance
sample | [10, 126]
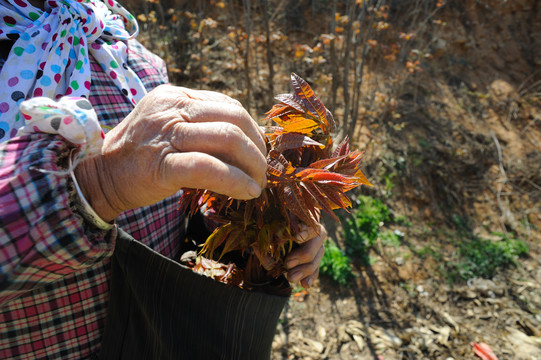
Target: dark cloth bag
[160, 309]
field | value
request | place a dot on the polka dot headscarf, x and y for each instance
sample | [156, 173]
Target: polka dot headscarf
[50, 55]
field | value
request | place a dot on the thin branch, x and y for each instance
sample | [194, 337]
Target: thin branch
[501, 183]
[530, 124]
[269, 49]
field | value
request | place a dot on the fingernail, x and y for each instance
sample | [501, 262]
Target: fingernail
[292, 263]
[309, 282]
[253, 189]
[296, 276]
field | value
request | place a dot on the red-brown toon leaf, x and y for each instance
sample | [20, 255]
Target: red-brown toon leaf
[274, 156]
[309, 202]
[261, 203]
[293, 141]
[190, 201]
[223, 203]
[278, 162]
[273, 173]
[292, 199]
[327, 177]
[325, 163]
[342, 148]
[279, 110]
[330, 119]
[248, 211]
[335, 195]
[324, 203]
[304, 173]
[346, 165]
[349, 165]
[306, 95]
[291, 100]
[350, 160]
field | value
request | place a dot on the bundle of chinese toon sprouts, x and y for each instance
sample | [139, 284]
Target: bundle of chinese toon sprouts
[304, 177]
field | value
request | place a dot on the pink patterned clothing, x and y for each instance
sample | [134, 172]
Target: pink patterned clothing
[54, 268]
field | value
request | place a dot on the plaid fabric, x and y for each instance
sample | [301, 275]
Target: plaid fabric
[54, 269]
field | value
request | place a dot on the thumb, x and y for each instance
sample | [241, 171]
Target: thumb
[203, 171]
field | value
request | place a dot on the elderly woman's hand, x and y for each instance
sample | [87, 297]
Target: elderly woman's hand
[303, 263]
[176, 137]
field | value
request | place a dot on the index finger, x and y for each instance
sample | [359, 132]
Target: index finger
[207, 95]
[213, 111]
[208, 106]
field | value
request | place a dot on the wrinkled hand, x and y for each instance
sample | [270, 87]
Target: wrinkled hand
[303, 263]
[174, 138]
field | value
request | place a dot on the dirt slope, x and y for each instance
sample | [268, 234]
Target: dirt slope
[468, 157]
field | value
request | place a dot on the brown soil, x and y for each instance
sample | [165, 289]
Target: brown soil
[408, 312]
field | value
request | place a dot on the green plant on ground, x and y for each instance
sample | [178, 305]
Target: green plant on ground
[430, 250]
[363, 226]
[409, 288]
[391, 238]
[336, 264]
[483, 258]
[389, 184]
[402, 220]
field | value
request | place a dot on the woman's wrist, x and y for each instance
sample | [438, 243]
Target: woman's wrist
[90, 176]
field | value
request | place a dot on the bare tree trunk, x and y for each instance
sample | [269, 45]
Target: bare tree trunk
[200, 44]
[359, 71]
[269, 51]
[354, 58]
[347, 54]
[334, 65]
[248, 26]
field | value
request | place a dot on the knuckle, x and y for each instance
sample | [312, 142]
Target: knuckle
[306, 257]
[318, 258]
[313, 266]
[231, 134]
[321, 252]
[323, 231]
[178, 136]
[196, 165]
[162, 90]
[241, 114]
[234, 102]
